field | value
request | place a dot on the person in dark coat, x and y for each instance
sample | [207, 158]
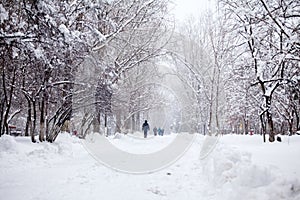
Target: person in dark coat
[155, 131]
[145, 128]
[159, 131]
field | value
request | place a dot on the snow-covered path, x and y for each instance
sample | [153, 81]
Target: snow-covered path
[65, 170]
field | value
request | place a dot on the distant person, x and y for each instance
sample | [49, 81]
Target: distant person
[159, 131]
[145, 128]
[162, 131]
[155, 131]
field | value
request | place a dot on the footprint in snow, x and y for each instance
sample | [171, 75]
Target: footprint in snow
[157, 191]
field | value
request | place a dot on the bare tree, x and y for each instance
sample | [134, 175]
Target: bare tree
[268, 28]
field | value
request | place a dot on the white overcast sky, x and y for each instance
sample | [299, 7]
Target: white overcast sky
[184, 8]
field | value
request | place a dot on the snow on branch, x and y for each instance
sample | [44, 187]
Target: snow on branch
[13, 115]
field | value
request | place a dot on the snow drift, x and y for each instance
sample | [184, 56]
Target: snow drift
[64, 170]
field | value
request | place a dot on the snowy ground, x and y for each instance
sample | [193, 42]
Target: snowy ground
[240, 167]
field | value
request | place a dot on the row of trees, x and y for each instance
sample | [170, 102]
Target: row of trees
[96, 64]
[242, 62]
[270, 36]
[61, 59]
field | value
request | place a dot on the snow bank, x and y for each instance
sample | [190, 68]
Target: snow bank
[277, 155]
[8, 144]
[234, 176]
[65, 170]
[228, 165]
[22, 150]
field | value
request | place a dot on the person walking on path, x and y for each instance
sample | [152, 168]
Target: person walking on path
[155, 131]
[145, 128]
[159, 131]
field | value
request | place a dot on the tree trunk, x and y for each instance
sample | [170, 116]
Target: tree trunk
[271, 127]
[270, 119]
[138, 119]
[118, 122]
[96, 122]
[33, 123]
[105, 124]
[42, 120]
[46, 118]
[133, 123]
[68, 96]
[246, 126]
[297, 121]
[44, 106]
[8, 99]
[263, 126]
[211, 104]
[217, 101]
[29, 124]
[28, 121]
[1, 114]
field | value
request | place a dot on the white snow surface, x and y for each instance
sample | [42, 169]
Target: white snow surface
[239, 167]
[135, 143]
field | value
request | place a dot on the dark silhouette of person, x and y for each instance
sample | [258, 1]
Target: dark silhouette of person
[145, 128]
[155, 131]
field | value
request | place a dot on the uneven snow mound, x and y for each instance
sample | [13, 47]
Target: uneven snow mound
[226, 172]
[8, 144]
[233, 174]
